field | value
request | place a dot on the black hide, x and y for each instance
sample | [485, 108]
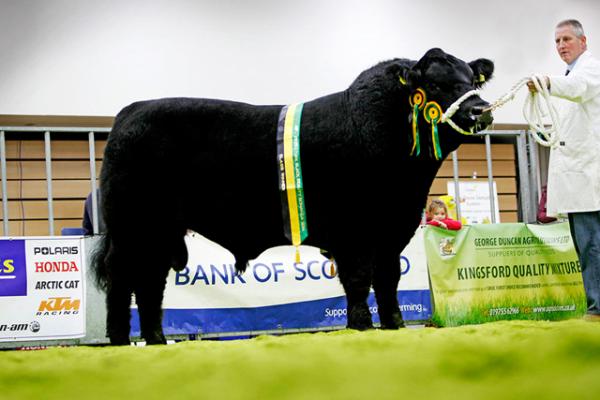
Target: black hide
[210, 166]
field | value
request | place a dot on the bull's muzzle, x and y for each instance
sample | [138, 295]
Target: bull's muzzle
[482, 116]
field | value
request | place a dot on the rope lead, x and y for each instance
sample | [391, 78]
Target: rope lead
[534, 110]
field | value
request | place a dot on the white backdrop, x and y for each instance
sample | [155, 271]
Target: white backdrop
[92, 57]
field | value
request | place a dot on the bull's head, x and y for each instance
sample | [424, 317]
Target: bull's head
[443, 79]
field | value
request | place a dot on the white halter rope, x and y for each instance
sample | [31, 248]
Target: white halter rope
[533, 110]
[454, 107]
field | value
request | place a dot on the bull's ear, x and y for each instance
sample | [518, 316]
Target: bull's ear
[411, 78]
[482, 71]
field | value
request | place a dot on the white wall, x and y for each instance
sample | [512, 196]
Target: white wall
[62, 57]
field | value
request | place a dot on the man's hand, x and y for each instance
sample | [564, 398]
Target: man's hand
[531, 85]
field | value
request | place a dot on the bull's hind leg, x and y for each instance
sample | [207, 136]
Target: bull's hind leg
[385, 282]
[118, 315]
[118, 298]
[355, 273]
[149, 296]
[169, 252]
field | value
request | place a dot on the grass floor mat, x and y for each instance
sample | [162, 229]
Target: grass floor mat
[511, 359]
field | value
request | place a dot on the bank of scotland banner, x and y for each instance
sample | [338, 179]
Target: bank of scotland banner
[276, 293]
[485, 273]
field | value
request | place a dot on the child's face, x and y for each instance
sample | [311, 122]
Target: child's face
[439, 214]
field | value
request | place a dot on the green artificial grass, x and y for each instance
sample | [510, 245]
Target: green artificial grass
[500, 360]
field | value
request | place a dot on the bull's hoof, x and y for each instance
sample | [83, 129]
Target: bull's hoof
[119, 340]
[360, 326]
[155, 338]
[393, 322]
[359, 318]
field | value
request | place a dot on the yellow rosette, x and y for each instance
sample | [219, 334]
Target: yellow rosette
[433, 114]
[417, 102]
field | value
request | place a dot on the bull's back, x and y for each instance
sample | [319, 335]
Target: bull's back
[192, 157]
[190, 125]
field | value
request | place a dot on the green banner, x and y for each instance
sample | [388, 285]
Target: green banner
[486, 273]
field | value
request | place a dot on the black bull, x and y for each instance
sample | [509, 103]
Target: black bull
[210, 166]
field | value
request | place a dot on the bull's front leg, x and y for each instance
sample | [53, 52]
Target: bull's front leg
[385, 283]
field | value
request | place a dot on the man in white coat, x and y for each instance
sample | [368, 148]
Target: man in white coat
[574, 169]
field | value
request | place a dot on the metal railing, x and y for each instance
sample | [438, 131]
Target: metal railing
[528, 174]
[529, 184]
[48, 160]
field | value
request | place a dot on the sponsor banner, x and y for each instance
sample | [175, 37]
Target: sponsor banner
[413, 265]
[326, 313]
[45, 299]
[13, 270]
[486, 273]
[275, 292]
[474, 201]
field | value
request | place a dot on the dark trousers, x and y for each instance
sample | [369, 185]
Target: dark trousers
[585, 230]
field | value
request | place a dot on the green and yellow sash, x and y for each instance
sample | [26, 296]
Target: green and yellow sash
[290, 174]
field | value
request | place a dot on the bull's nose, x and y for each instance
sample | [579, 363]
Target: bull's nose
[486, 118]
[477, 111]
[481, 115]
[483, 121]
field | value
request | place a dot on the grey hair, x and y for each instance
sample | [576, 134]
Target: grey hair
[573, 23]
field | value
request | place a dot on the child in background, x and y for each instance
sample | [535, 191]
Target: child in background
[437, 215]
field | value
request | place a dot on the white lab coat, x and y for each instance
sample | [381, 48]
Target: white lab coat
[574, 168]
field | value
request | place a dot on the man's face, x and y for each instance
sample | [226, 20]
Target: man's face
[568, 45]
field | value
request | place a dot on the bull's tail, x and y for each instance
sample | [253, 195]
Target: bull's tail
[99, 266]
